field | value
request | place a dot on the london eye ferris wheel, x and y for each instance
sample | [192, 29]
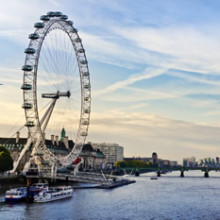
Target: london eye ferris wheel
[56, 85]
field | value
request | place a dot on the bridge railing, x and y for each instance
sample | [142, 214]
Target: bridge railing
[80, 177]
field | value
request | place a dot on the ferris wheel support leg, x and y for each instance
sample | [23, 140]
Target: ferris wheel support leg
[53, 171]
[76, 168]
[16, 163]
[45, 119]
[26, 167]
[42, 122]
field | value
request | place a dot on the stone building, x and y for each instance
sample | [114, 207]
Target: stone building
[189, 162]
[112, 152]
[92, 159]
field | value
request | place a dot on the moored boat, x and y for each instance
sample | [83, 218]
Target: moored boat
[54, 193]
[153, 178]
[16, 195]
[37, 187]
[115, 183]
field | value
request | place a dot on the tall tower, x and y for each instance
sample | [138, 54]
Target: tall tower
[63, 134]
[154, 158]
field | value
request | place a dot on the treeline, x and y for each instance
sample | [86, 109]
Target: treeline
[6, 162]
[133, 164]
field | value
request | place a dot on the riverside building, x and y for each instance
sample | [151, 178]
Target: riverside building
[113, 152]
[190, 162]
[92, 158]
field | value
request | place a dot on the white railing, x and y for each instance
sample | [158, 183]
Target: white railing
[80, 177]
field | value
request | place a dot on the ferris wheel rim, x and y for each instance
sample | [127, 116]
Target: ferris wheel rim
[30, 69]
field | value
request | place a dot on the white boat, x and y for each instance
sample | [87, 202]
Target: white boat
[153, 178]
[38, 187]
[19, 194]
[16, 195]
[54, 193]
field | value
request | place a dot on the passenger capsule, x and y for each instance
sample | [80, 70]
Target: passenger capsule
[84, 133]
[30, 124]
[58, 13]
[39, 25]
[34, 36]
[50, 14]
[74, 30]
[27, 106]
[44, 18]
[83, 61]
[64, 17]
[86, 73]
[87, 86]
[86, 99]
[77, 40]
[85, 122]
[70, 22]
[86, 111]
[27, 68]
[26, 86]
[81, 50]
[30, 50]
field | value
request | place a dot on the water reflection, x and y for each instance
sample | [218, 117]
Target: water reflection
[168, 197]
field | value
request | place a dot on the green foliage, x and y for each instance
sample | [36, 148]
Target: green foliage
[132, 164]
[6, 162]
[4, 149]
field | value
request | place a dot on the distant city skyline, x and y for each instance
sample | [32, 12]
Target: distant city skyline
[154, 65]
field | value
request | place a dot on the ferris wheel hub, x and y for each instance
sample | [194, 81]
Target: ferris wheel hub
[56, 95]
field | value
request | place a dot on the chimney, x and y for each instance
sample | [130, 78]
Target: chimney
[52, 139]
[66, 142]
[57, 140]
[17, 136]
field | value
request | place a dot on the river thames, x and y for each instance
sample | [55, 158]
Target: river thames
[168, 197]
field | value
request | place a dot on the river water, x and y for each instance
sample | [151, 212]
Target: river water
[168, 197]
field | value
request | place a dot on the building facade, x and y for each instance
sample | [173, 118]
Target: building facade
[154, 158]
[92, 158]
[190, 162]
[113, 152]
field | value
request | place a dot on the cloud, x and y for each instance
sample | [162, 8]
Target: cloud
[192, 78]
[138, 95]
[12, 112]
[147, 74]
[151, 132]
[212, 113]
[185, 46]
[8, 70]
[107, 49]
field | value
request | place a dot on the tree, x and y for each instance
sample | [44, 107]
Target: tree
[4, 149]
[6, 162]
[132, 164]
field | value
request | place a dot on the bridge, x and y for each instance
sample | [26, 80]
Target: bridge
[161, 170]
[85, 177]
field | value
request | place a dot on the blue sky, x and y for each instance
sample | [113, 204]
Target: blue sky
[154, 66]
